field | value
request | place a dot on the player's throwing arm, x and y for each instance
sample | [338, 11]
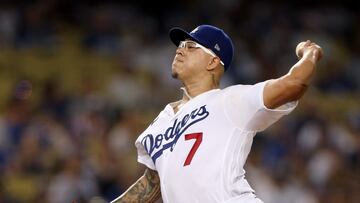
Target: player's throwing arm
[293, 85]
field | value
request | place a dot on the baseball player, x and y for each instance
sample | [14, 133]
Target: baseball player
[196, 148]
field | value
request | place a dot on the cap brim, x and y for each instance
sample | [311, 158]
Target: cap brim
[177, 34]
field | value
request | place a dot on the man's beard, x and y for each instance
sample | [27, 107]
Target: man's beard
[174, 75]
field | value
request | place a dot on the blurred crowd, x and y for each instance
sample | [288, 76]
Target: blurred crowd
[67, 135]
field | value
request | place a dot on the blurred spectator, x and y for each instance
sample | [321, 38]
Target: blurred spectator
[72, 183]
[35, 26]
[102, 31]
[8, 20]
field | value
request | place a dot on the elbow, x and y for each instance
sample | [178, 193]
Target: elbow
[294, 89]
[282, 91]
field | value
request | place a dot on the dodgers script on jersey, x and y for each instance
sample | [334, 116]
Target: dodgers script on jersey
[199, 152]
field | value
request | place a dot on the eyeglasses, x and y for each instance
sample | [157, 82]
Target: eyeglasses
[189, 45]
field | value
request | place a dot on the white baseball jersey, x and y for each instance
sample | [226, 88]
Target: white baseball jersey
[199, 152]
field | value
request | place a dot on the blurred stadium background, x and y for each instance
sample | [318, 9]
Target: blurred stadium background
[79, 80]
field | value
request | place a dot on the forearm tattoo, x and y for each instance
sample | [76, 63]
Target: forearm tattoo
[144, 190]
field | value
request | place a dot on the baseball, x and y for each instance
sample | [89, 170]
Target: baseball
[299, 49]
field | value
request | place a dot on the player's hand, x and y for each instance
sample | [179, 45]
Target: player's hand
[309, 49]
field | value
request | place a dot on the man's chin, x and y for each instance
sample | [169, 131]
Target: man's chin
[174, 72]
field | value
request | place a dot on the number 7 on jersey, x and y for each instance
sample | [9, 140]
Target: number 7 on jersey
[198, 137]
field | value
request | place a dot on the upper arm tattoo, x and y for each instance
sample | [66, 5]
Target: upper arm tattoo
[145, 190]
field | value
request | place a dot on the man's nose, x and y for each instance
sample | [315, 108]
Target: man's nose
[180, 51]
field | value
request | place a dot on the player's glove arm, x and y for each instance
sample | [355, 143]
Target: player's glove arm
[145, 190]
[293, 85]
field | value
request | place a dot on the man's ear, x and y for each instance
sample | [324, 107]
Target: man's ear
[213, 63]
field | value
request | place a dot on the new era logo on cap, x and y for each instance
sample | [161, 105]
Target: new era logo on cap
[210, 37]
[217, 47]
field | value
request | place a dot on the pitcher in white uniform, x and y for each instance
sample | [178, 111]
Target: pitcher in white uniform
[196, 148]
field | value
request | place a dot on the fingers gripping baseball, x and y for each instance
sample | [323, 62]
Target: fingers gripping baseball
[308, 47]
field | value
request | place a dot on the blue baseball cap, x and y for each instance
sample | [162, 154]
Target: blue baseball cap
[210, 37]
